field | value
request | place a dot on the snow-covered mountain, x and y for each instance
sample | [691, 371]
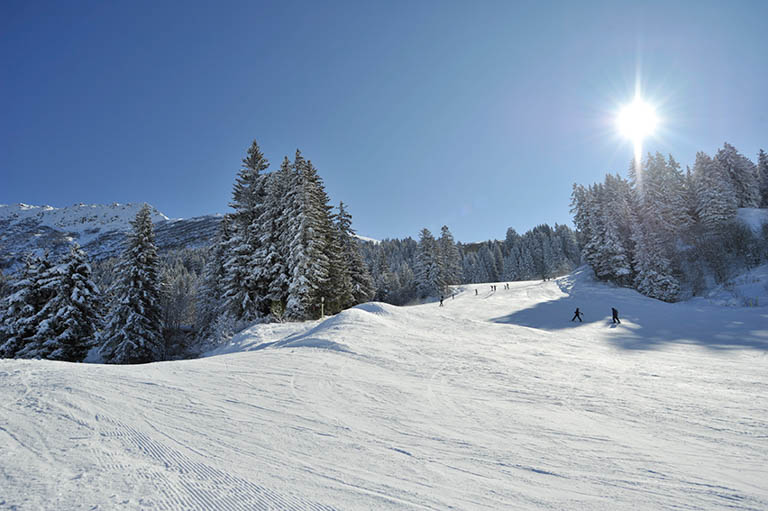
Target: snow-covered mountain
[99, 228]
[494, 401]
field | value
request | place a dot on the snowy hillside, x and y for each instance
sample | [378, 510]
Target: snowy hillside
[82, 220]
[494, 401]
[99, 228]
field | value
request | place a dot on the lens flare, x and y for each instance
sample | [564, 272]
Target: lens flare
[637, 121]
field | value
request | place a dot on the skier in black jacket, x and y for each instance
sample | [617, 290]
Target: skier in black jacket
[615, 314]
[577, 314]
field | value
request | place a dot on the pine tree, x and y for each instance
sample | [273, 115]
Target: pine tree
[248, 190]
[68, 322]
[308, 231]
[428, 266]
[762, 174]
[209, 294]
[449, 254]
[741, 173]
[21, 308]
[133, 333]
[362, 286]
[243, 297]
[271, 259]
[654, 270]
[338, 290]
[716, 201]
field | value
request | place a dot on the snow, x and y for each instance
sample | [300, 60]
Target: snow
[88, 221]
[754, 218]
[750, 289]
[366, 238]
[494, 401]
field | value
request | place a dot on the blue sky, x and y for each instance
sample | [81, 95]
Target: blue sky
[478, 115]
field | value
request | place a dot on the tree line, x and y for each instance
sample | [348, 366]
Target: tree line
[405, 270]
[672, 234]
[280, 254]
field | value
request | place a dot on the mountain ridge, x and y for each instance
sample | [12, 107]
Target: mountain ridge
[100, 229]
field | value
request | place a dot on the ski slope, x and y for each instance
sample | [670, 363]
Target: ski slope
[494, 401]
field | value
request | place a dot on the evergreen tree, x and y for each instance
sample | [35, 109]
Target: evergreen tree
[277, 243]
[308, 229]
[654, 270]
[21, 308]
[133, 333]
[68, 322]
[449, 254]
[362, 286]
[762, 174]
[243, 296]
[742, 175]
[428, 270]
[210, 292]
[716, 201]
[248, 190]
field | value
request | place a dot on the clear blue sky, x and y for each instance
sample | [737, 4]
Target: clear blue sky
[478, 115]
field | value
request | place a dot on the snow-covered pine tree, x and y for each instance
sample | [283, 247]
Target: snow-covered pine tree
[662, 198]
[240, 298]
[741, 173]
[618, 217]
[428, 266]
[762, 175]
[248, 190]
[362, 284]
[512, 247]
[449, 254]
[68, 322]
[308, 231]
[654, 231]
[654, 276]
[209, 304]
[338, 290]
[21, 307]
[133, 333]
[243, 299]
[716, 201]
[271, 259]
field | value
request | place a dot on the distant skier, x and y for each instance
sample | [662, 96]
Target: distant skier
[578, 314]
[441, 300]
[453, 296]
[475, 292]
[615, 315]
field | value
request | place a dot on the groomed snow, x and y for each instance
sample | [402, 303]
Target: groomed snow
[494, 401]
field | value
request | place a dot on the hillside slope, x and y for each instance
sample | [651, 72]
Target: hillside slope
[494, 401]
[99, 228]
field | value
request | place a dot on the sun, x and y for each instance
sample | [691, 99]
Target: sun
[637, 121]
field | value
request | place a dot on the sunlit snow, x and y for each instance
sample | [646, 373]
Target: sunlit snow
[493, 401]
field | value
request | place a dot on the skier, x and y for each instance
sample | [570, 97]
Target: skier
[577, 314]
[441, 300]
[475, 292]
[615, 315]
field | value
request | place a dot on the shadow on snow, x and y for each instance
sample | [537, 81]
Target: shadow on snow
[646, 323]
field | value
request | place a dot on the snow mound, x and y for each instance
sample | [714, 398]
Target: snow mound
[379, 308]
[750, 289]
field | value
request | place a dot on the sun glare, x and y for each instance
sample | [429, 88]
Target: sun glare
[637, 121]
